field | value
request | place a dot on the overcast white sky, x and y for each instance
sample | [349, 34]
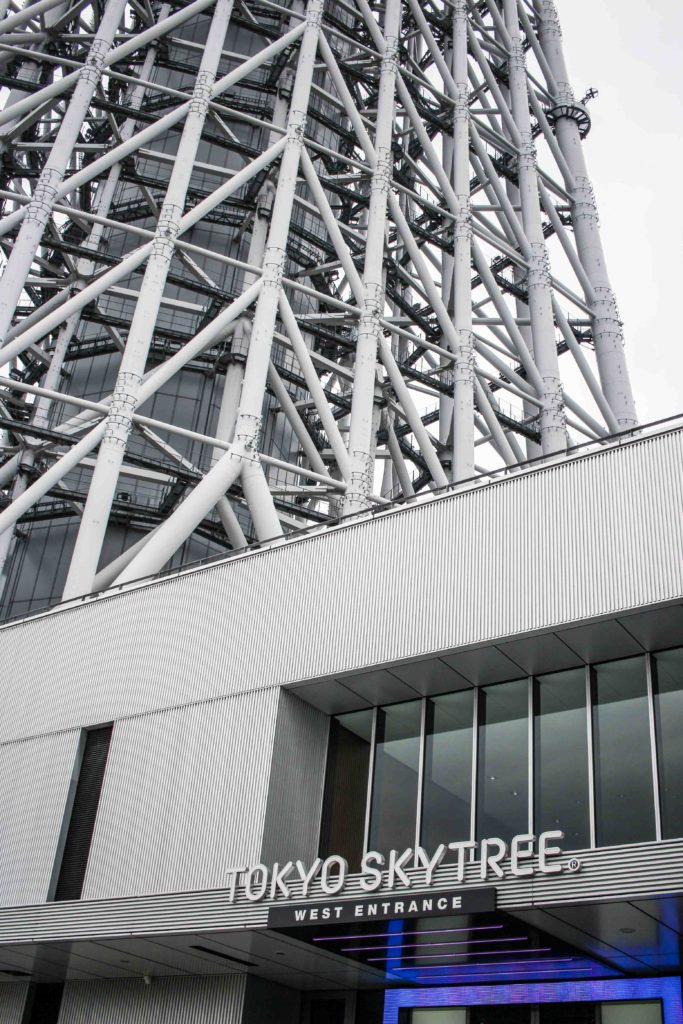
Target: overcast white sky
[632, 52]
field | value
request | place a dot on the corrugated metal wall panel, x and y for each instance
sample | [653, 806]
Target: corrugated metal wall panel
[35, 777]
[613, 873]
[12, 1000]
[297, 775]
[582, 538]
[184, 797]
[171, 1000]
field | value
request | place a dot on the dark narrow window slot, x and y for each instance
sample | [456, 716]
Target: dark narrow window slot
[43, 1004]
[83, 813]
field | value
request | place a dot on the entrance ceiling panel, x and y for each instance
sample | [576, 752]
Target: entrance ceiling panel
[430, 676]
[331, 697]
[581, 939]
[600, 641]
[656, 629]
[668, 910]
[379, 687]
[455, 950]
[148, 956]
[624, 927]
[485, 665]
[540, 654]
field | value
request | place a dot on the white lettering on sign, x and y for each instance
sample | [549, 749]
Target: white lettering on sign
[331, 866]
[371, 876]
[494, 859]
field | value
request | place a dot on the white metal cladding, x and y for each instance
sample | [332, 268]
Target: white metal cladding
[171, 1000]
[578, 539]
[35, 776]
[606, 874]
[296, 782]
[184, 797]
[12, 1001]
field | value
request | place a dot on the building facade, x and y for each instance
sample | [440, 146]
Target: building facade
[433, 797]
[341, 592]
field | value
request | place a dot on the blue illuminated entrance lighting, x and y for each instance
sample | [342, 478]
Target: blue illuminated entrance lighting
[388, 935]
[452, 956]
[502, 963]
[430, 945]
[513, 993]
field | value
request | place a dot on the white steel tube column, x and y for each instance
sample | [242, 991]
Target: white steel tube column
[361, 439]
[126, 393]
[463, 366]
[44, 197]
[234, 374]
[553, 420]
[190, 513]
[249, 415]
[607, 329]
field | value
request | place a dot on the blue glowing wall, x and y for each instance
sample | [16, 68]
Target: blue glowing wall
[666, 989]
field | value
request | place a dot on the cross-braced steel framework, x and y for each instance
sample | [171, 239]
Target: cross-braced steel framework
[368, 225]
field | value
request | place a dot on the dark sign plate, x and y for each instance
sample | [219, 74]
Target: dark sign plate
[384, 908]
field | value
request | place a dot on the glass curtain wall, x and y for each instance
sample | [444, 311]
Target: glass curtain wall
[561, 761]
[503, 779]
[667, 678]
[593, 752]
[447, 784]
[395, 778]
[624, 797]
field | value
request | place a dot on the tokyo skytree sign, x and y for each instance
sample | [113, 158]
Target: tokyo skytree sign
[267, 265]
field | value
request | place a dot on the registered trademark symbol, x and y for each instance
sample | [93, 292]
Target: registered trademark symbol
[573, 864]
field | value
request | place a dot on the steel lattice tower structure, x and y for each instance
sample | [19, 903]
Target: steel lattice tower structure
[269, 265]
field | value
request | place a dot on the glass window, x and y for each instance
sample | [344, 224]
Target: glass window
[503, 777]
[624, 801]
[645, 1012]
[561, 757]
[394, 791]
[452, 1015]
[447, 790]
[346, 786]
[668, 694]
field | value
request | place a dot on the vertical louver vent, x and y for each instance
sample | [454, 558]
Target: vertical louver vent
[82, 823]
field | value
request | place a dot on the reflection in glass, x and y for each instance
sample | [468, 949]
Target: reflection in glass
[561, 757]
[394, 792]
[346, 783]
[447, 790]
[643, 1012]
[451, 1015]
[668, 694]
[503, 777]
[624, 802]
